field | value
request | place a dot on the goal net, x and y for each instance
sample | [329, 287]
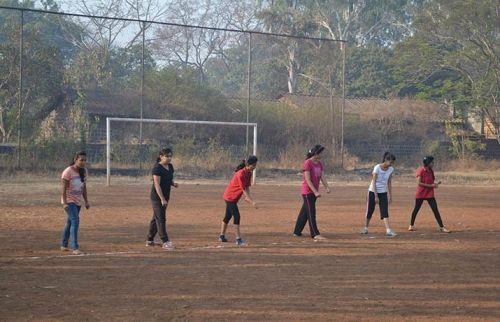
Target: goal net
[142, 139]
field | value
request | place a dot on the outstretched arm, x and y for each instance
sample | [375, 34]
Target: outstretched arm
[248, 198]
[374, 179]
[389, 188]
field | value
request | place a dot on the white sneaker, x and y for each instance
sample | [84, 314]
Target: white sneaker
[240, 242]
[319, 238]
[77, 252]
[168, 245]
[391, 234]
[364, 231]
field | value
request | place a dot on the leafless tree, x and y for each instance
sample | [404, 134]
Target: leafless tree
[191, 46]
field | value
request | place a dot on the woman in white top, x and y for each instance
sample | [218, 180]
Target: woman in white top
[73, 188]
[380, 192]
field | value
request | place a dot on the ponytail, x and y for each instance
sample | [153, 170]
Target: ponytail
[251, 160]
[81, 171]
[315, 150]
[240, 166]
[427, 160]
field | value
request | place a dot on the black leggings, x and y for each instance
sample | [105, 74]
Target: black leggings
[432, 202]
[232, 211]
[383, 204]
[307, 214]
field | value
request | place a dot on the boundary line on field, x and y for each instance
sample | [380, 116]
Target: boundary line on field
[214, 247]
[104, 254]
[73, 256]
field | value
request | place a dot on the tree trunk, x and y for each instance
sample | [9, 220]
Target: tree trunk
[292, 69]
[2, 127]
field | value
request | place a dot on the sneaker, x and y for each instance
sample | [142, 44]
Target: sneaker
[77, 252]
[364, 231]
[150, 243]
[444, 230]
[222, 239]
[391, 234]
[297, 235]
[168, 245]
[319, 238]
[411, 228]
[64, 249]
[240, 242]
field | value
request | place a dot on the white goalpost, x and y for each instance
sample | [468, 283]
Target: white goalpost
[138, 120]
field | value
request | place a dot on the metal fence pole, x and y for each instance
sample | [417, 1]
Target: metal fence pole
[332, 115]
[249, 70]
[20, 103]
[142, 92]
[108, 152]
[254, 150]
[344, 45]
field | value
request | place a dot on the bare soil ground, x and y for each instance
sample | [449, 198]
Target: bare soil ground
[422, 275]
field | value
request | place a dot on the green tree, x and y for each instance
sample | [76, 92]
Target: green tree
[459, 41]
[44, 57]
[429, 75]
[369, 72]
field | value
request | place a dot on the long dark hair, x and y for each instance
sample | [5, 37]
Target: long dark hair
[164, 151]
[428, 160]
[81, 171]
[317, 149]
[251, 160]
[388, 156]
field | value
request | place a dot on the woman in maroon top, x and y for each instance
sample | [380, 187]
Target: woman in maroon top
[238, 186]
[425, 191]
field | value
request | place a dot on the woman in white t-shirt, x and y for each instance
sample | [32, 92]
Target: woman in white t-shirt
[380, 192]
[73, 188]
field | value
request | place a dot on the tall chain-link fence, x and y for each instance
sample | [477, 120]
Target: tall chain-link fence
[62, 75]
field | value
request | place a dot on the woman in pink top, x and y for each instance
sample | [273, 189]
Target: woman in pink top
[73, 188]
[313, 170]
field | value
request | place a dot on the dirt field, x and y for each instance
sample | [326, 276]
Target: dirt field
[424, 275]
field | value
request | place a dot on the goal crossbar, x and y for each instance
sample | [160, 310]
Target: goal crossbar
[139, 120]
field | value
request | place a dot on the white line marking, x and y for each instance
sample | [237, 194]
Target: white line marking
[104, 254]
[74, 256]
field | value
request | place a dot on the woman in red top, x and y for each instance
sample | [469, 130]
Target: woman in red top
[238, 186]
[425, 191]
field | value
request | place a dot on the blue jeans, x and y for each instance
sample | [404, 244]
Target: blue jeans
[72, 224]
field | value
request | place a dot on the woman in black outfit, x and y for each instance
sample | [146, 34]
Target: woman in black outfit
[163, 180]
